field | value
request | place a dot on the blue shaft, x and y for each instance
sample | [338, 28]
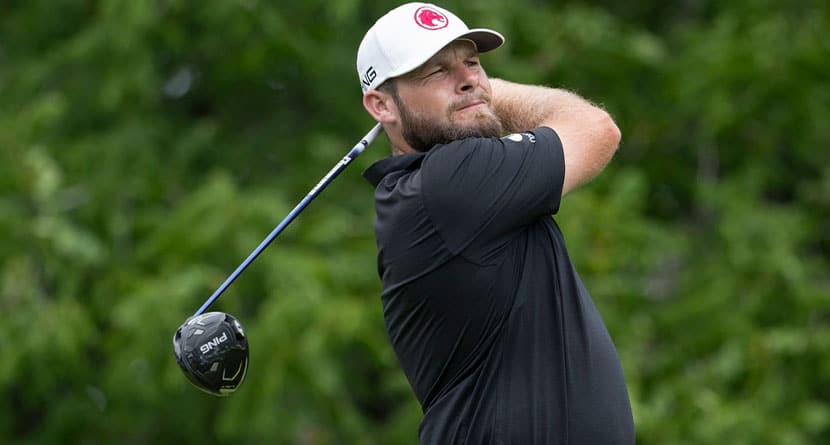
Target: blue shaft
[353, 153]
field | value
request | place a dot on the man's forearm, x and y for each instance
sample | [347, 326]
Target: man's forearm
[525, 107]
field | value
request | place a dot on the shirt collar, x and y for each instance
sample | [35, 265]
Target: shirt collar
[377, 171]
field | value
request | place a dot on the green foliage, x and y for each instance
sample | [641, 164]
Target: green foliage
[147, 147]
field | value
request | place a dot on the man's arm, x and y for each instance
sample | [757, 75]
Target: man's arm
[588, 133]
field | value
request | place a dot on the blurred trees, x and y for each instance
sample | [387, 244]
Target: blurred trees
[147, 147]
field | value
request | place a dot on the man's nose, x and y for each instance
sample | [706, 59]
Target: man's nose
[468, 79]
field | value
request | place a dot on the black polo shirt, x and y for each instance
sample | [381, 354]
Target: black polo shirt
[490, 321]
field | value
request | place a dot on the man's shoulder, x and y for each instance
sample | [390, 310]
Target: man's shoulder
[539, 134]
[462, 150]
[382, 168]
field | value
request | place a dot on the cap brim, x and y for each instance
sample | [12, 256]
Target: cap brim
[485, 39]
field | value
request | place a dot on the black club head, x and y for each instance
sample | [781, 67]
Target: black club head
[212, 351]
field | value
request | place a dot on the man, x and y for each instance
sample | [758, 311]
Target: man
[493, 327]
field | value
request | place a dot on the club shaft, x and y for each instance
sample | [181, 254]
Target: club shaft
[327, 179]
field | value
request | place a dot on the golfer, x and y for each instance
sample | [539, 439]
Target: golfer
[487, 315]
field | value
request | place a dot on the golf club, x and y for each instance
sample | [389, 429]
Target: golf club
[353, 153]
[211, 348]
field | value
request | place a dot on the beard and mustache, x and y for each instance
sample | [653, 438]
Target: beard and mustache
[422, 132]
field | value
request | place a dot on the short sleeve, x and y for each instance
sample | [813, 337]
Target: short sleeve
[488, 187]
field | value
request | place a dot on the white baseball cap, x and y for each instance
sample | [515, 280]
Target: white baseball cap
[409, 35]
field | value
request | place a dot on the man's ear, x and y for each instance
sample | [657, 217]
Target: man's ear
[381, 106]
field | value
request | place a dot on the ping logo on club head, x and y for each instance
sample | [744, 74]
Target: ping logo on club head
[430, 18]
[205, 348]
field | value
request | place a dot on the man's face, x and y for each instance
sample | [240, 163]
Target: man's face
[446, 99]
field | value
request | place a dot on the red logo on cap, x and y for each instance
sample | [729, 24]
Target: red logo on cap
[430, 18]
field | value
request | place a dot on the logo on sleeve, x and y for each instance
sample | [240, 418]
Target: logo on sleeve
[430, 18]
[516, 137]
